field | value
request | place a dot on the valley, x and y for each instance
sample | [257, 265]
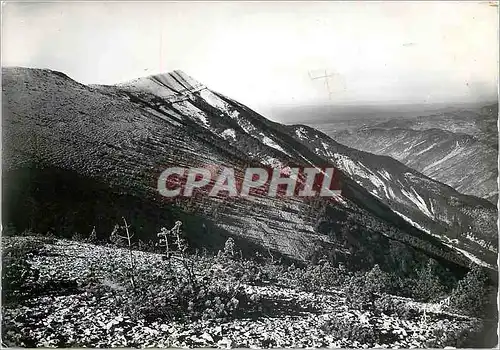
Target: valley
[457, 147]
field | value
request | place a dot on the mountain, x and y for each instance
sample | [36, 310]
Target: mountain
[458, 148]
[80, 157]
[437, 209]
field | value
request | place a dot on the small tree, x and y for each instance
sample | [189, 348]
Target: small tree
[180, 243]
[113, 238]
[229, 247]
[163, 240]
[173, 234]
[364, 288]
[141, 245]
[93, 236]
[471, 294]
[78, 237]
[427, 285]
[116, 238]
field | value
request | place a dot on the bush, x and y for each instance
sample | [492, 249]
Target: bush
[18, 277]
[424, 285]
[202, 289]
[276, 274]
[246, 271]
[92, 238]
[187, 287]
[385, 304]
[445, 333]
[9, 230]
[78, 237]
[427, 285]
[364, 288]
[313, 278]
[352, 330]
[471, 294]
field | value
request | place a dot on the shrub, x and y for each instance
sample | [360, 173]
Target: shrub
[315, 278]
[201, 288]
[391, 306]
[28, 232]
[78, 237]
[445, 333]
[229, 248]
[427, 285]
[471, 294]
[18, 277]
[385, 304]
[92, 237]
[188, 287]
[277, 274]
[363, 288]
[170, 239]
[352, 330]
[9, 230]
[244, 270]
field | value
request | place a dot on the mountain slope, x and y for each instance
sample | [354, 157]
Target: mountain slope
[465, 221]
[460, 220]
[80, 156]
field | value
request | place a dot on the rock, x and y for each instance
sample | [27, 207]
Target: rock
[225, 343]
[207, 337]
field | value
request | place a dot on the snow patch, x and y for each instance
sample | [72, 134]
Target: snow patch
[213, 100]
[413, 223]
[415, 198]
[188, 109]
[151, 86]
[358, 169]
[472, 257]
[229, 133]
[468, 255]
[301, 133]
[269, 142]
[273, 162]
[385, 174]
[425, 150]
[481, 242]
[246, 126]
[452, 154]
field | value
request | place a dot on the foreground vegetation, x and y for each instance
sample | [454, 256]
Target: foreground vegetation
[76, 293]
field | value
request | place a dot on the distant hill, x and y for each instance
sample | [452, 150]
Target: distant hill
[459, 148]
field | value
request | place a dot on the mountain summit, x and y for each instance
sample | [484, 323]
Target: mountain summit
[78, 157]
[168, 85]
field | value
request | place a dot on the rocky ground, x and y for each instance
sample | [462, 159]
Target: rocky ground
[75, 312]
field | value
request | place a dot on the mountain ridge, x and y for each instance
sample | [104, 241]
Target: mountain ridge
[129, 129]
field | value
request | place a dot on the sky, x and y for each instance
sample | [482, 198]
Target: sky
[269, 54]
